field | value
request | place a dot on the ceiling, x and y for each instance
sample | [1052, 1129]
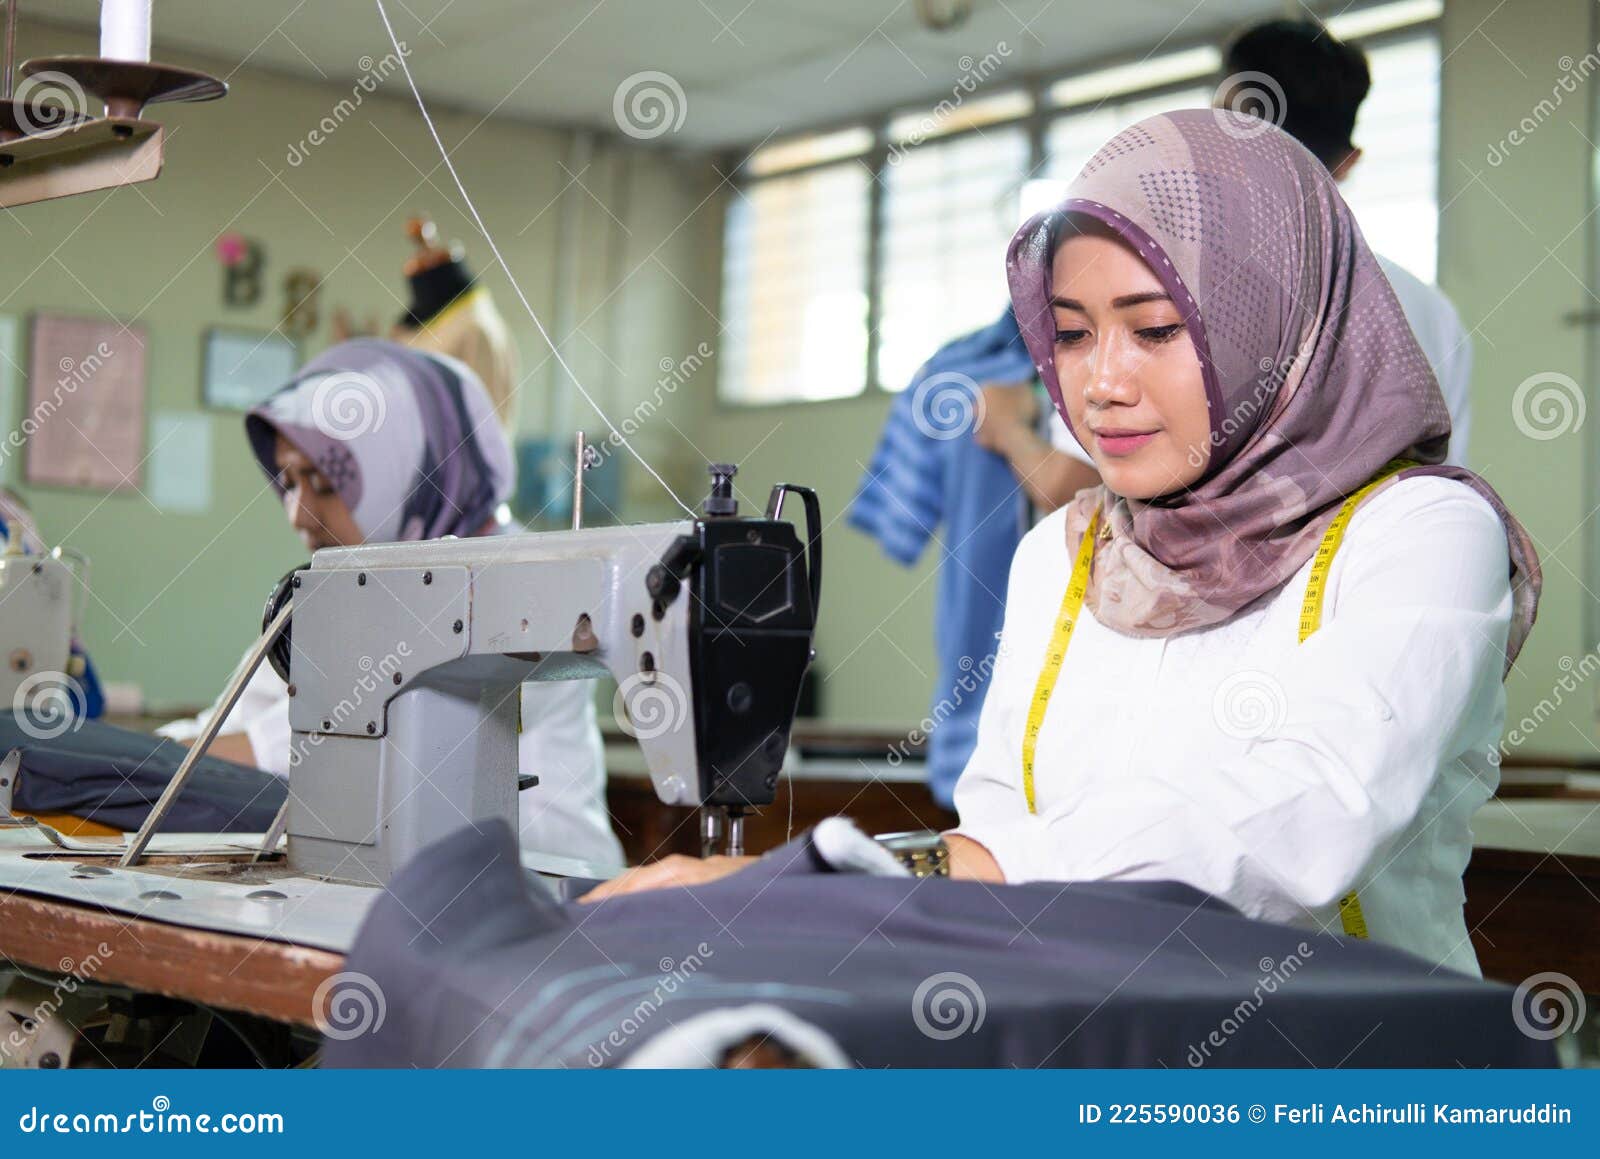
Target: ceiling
[748, 69]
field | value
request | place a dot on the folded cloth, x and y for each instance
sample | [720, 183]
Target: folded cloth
[112, 776]
[465, 963]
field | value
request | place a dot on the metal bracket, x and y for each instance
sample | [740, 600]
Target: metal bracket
[10, 770]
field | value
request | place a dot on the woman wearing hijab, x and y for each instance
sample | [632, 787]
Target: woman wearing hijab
[374, 442]
[1236, 663]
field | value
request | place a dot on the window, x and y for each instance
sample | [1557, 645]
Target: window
[1393, 188]
[1076, 136]
[883, 240]
[794, 287]
[949, 210]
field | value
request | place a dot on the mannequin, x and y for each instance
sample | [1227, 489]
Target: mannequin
[451, 314]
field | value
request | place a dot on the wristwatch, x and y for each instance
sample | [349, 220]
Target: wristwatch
[921, 851]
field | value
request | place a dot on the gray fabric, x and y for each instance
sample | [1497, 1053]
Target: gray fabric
[113, 776]
[477, 968]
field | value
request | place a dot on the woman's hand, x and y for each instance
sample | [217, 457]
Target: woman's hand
[668, 873]
[970, 861]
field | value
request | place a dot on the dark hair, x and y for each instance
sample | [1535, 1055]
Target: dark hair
[1323, 81]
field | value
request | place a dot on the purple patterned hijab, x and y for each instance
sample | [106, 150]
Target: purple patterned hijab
[1313, 378]
[408, 439]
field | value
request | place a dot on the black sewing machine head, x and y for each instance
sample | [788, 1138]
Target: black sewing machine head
[755, 591]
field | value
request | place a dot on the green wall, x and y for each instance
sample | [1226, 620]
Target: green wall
[1514, 256]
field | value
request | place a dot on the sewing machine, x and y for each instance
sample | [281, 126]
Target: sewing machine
[36, 625]
[406, 660]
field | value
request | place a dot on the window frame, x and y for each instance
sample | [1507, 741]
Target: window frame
[1036, 125]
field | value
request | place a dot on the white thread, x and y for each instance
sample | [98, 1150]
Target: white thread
[444, 155]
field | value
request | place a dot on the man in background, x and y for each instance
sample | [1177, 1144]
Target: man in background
[1324, 81]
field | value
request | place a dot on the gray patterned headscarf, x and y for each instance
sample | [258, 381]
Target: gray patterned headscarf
[408, 439]
[1313, 378]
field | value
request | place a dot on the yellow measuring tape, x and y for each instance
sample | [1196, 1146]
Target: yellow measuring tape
[1350, 916]
[1066, 619]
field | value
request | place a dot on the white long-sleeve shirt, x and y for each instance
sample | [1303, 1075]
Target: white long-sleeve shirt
[564, 814]
[1272, 774]
[1445, 342]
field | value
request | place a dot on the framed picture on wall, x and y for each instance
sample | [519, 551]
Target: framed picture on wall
[86, 402]
[240, 368]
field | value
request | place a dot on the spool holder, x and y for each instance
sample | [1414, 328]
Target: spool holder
[70, 151]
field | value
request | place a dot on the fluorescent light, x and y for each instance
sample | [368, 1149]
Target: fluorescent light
[814, 149]
[1101, 84]
[953, 114]
[1383, 18]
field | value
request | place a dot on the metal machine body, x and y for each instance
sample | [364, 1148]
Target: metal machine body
[406, 662]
